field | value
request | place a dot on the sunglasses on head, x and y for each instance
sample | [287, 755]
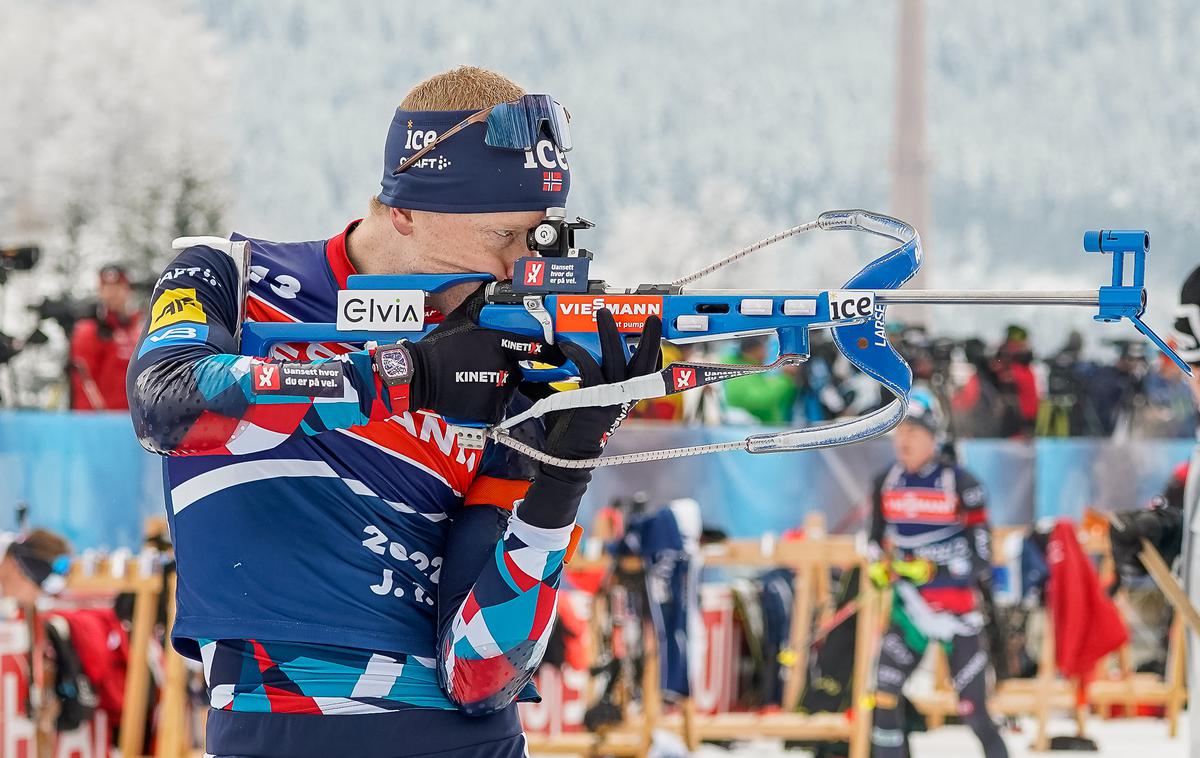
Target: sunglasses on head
[516, 125]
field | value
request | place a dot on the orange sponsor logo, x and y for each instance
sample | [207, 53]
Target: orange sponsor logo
[577, 313]
[915, 505]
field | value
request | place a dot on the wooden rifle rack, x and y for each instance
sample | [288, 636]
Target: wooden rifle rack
[811, 558]
[1046, 692]
[142, 575]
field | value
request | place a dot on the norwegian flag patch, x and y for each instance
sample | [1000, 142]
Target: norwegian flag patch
[552, 181]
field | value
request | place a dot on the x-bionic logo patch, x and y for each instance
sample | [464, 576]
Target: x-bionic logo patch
[266, 376]
[683, 377]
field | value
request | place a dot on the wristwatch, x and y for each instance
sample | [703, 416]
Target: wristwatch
[394, 365]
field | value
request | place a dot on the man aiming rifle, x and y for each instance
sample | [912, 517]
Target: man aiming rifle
[354, 581]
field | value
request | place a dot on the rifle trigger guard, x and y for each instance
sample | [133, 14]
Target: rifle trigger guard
[536, 308]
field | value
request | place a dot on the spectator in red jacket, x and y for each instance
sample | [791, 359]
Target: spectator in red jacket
[101, 347]
[1016, 382]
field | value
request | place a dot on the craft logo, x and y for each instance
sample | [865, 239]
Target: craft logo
[577, 313]
[204, 273]
[498, 378]
[530, 348]
[684, 378]
[535, 272]
[552, 181]
[381, 310]
[176, 305]
[266, 376]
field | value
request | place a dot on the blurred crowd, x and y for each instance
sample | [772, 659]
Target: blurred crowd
[997, 389]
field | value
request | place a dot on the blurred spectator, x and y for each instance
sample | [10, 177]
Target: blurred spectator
[1066, 410]
[823, 392]
[102, 346]
[988, 393]
[1114, 390]
[768, 396]
[975, 405]
[33, 564]
[1016, 383]
[1169, 405]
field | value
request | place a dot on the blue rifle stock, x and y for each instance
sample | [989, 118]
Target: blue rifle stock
[855, 314]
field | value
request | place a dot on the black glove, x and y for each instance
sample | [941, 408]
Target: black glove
[467, 373]
[553, 499]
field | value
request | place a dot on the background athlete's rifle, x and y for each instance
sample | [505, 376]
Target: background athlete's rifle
[552, 299]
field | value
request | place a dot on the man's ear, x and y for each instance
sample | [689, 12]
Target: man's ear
[402, 220]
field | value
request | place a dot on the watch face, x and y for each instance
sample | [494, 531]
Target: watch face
[393, 364]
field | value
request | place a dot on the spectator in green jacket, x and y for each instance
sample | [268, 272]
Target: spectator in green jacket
[767, 397]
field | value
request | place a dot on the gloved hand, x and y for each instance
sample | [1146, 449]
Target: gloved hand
[581, 432]
[880, 573]
[578, 433]
[918, 571]
[467, 373]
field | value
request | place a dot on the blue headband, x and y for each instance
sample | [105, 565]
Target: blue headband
[464, 175]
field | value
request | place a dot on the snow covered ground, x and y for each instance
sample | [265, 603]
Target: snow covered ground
[1116, 739]
[1122, 738]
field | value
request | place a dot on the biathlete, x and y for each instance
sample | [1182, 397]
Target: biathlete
[354, 581]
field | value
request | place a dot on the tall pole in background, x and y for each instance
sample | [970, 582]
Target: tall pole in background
[910, 160]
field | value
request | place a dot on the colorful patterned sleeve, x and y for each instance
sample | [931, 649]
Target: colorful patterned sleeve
[499, 587]
[495, 641]
[191, 393]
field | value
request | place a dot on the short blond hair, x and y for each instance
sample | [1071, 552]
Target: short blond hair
[466, 88]
[461, 89]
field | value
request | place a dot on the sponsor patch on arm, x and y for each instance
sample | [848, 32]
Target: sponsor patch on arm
[299, 379]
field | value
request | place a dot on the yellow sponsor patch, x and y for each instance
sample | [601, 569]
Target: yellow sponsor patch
[176, 305]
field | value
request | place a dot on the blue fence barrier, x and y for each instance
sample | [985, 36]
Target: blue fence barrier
[86, 476]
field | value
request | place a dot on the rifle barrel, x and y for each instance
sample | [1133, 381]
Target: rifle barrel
[944, 297]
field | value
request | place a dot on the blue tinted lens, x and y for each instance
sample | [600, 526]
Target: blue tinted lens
[519, 125]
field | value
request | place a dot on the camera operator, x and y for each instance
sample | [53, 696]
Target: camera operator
[102, 346]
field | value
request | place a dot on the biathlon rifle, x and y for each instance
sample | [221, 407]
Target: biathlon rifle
[552, 299]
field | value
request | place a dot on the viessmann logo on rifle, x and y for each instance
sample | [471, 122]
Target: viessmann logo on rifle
[577, 313]
[381, 310]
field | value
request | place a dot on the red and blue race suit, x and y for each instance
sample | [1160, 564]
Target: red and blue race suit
[936, 514]
[333, 557]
